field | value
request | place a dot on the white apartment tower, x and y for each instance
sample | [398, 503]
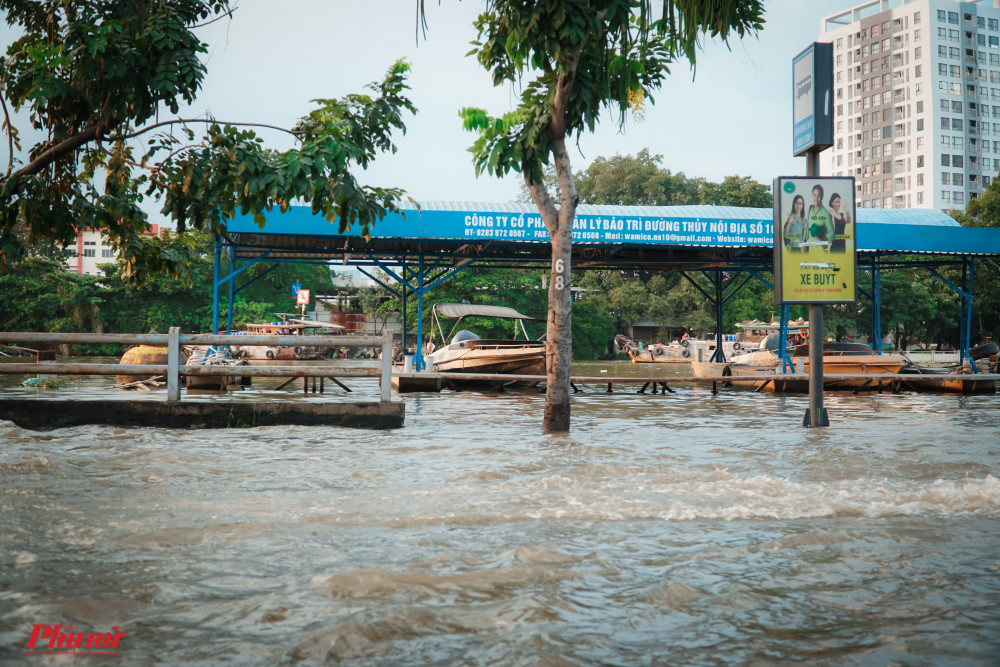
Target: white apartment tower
[916, 101]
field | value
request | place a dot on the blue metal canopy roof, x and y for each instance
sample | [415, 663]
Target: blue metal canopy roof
[879, 230]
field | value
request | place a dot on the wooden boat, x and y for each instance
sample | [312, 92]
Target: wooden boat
[468, 353]
[287, 327]
[754, 331]
[838, 359]
[710, 369]
[682, 351]
[929, 379]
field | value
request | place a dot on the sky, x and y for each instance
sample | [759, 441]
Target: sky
[732, 116]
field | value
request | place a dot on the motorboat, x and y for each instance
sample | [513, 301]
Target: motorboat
[466, 352]
[285, 326]
[855, 359]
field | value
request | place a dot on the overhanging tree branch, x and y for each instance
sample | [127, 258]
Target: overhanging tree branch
[10, 137]
[185, 121]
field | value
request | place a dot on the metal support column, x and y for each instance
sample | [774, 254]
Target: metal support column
[720, 355]
[405, 290]
[232, 281]
[816, 414]
[877, 304]
[173, 365]
[418, 357]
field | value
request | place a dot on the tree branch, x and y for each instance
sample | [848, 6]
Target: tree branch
[53, 153]
[91, 132]
[221, 16]
[183, 121]
[10, 137]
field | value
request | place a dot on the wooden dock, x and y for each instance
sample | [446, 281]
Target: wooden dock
[788, 382]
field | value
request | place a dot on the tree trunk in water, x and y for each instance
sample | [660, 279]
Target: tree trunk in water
[559, 337]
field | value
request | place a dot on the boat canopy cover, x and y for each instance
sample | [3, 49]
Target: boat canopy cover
[480, 310]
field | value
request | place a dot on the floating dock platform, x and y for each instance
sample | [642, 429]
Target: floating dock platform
[44, 413]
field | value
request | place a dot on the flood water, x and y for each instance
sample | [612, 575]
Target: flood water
[678, 529]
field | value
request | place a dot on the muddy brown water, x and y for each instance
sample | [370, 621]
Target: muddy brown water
[677, 529]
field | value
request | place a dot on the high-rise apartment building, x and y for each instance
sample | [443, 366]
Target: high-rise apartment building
[916, 101]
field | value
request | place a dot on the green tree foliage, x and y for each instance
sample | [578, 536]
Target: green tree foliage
[37, 295]
[639, 180]
[593, 331]
[984, 211]
[101, 81]
[668, 298]
[575, 59]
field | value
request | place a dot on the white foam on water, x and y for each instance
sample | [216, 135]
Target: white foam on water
[717, 495]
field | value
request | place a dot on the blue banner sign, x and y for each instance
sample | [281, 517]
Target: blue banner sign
[729, 227]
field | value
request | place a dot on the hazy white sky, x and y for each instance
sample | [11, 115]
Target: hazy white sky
[272, 58]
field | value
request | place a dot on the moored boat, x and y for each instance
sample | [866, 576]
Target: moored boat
[682, 351]
[854, 359]
[466, 352]
[286, 327]
[710, 369]
[943, 380]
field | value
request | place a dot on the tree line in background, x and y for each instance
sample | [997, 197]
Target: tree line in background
[35, 295]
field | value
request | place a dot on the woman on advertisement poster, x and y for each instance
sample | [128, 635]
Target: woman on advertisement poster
[818, 221]
[841, 221]
[794, 230]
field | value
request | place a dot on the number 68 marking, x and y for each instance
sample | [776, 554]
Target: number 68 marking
[559, 280]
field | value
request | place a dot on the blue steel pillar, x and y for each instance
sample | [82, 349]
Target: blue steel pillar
[232, 282]
[215, 287]
[877, 304]
[720, 354]
[403, 273]
[418, 357]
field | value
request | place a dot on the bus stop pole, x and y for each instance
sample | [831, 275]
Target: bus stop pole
[816, 414]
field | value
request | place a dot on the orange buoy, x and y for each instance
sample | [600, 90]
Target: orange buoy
[141, 354]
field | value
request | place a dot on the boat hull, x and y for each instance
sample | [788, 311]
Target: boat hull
[866, 368]
[707, 369]
[507, 365]
[490, 358]
[927, 380]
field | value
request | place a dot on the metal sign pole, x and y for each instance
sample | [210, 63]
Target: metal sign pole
[816, 414]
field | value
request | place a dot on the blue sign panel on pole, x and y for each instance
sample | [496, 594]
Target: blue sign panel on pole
[295, 288]
[812, 98]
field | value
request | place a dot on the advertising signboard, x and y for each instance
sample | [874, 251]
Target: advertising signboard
[815, 240]
[812, 95]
